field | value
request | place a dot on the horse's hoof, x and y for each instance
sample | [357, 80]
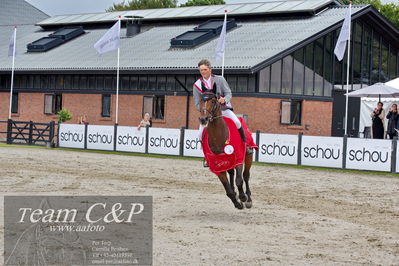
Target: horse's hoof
[239, 205]
[244, 198]
[248, 204]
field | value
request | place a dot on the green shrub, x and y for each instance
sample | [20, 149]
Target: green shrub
[64, 115]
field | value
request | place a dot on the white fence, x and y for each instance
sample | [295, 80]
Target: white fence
[336, 152]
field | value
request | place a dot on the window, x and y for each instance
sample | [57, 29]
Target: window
[152, 82]
[287, 75]
[100, 82]
[52, 81]
[143, 83]
[232, 81]
[309, 75]
[76, 82]
[106, 105]
[30, 81]
[124, 83]
[109, 83]
[60, 82]
[291, 112]
[14, 104]
[357, 56]
[264, 80]
[242, 84]
[251, 83]
[134, 82]
[384, 62]
[52, 103]
[392, 63]
[318, 67]
[275, 84]
[190, 80]
[68, 82]
[83, 82]
[365, 79]
[155, 106]
[376, 58]
[161, 81]
[328, 63]
[4, 81]
[91, 82]
[299, 70]
[171, 83]
[182, 79]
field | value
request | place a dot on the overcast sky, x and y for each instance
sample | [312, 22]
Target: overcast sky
[62, 7]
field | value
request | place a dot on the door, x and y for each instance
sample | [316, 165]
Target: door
[338, 119]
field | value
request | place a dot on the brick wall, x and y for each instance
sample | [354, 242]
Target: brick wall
[263, 113]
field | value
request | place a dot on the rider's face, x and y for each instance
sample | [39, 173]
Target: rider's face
[205, 71]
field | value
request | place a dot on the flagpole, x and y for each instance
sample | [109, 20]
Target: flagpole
[225, 22]
[117, 81]
[347, 70]
[12, 71]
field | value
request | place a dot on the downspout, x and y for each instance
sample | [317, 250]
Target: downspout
[187, 101]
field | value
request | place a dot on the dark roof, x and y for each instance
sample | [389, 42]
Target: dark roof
[19, 12]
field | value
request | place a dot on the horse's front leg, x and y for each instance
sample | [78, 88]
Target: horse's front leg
[230, 192]
[231, 174]
[246, 175]
[239, 182]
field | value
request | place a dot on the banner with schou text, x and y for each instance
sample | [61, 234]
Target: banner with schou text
[334, 152]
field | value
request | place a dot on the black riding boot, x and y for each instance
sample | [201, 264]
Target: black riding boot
[242, 134]
[244, 138]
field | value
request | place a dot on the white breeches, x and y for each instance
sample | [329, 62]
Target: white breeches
[226, 113]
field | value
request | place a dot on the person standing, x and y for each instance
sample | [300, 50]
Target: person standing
[146, 121]
[377, 117]
[392, 117]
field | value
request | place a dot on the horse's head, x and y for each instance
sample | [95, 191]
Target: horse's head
[209, 108]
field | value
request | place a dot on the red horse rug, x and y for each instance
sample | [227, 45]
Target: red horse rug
[234, 148]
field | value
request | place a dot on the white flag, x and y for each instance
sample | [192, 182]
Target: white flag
[111, 39]
[11, 45]
[340, 47]
[221, 42]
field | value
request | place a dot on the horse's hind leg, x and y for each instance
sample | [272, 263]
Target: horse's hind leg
[239, 183]
[230, 192]
[246, 174]
[231, 174]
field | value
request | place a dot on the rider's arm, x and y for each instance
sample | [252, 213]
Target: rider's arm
[197, 97]
[225, 90]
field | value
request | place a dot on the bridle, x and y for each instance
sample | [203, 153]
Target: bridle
[213, 113]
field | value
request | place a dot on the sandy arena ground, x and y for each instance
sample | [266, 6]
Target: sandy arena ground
[299, 216]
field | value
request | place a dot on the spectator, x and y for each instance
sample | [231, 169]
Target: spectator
[377, 117]
[146, 121]
[392, 117]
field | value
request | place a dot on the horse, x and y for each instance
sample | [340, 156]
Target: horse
[211, 118]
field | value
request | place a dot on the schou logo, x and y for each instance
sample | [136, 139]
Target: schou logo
[98, 138]
[278, 150]
[193, 144]
[367, 156]
[130, 140]
[69, 136]
[318, 152]
[163, 142]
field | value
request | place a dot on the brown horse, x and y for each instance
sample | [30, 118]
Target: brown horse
[211, 118]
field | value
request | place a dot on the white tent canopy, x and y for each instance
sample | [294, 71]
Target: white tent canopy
[376, 90]
[393, 83]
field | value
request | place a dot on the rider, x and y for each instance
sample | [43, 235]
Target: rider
[218, 85]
